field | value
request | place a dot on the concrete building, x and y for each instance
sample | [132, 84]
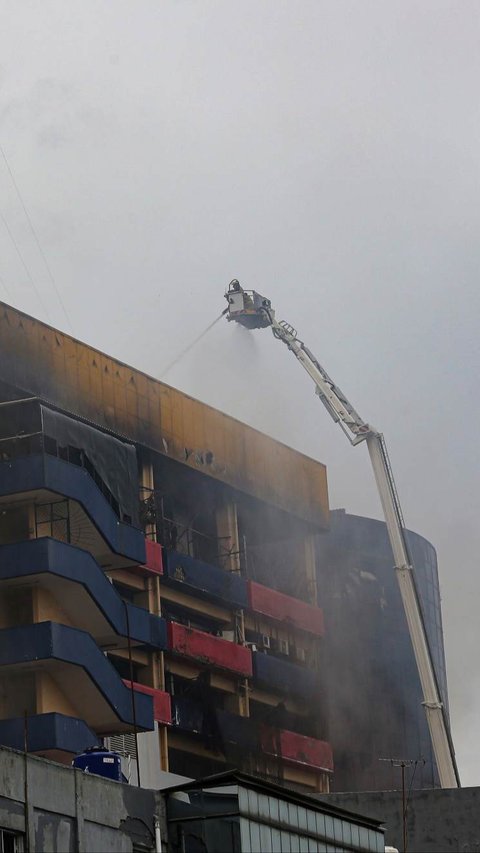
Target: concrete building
[375, 707]
[47, 808]
[157, 573]
[235, 812]
[150, 541]
[437, 821]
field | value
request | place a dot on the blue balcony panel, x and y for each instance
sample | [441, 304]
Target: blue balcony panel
[68, 654]
[205, 579]
[47, 732]
[241, 731]
[54, 558]
[42, 471]
[282, 676]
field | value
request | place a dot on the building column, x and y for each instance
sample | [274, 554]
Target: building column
[147, 486]
[227, 532]
[157, 668]
[238, 703]
[32, 527]
[310, 568]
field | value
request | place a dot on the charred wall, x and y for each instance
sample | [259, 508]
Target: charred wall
[41, 361]
[374, 692]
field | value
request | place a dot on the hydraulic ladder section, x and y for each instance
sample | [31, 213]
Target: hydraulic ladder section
[254, 311]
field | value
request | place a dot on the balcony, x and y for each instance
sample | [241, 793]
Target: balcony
[162, 710]
[48, 474]
[291, 747]
[297, 749]
[207, 649]
[283, 608]
[81, 672]
[206, 580]
[283, 677]
[80, 587]
[153, 564]
[47, 733]
[220, 728]
[188, 715]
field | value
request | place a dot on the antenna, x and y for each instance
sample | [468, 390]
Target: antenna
[403, 763]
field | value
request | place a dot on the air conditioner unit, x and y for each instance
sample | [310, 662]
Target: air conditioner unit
[251, 646]
[266, 643]
[228, 635]
[284, 647]
[125, 744]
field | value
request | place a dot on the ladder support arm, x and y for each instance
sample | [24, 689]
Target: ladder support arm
[435, 711]
[357, 430]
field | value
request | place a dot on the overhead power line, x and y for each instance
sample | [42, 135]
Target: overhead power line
[7, 291]
[29, 275]
[35, 236]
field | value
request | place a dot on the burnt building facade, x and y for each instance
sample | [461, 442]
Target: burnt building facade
[157, 573]
[375, 705]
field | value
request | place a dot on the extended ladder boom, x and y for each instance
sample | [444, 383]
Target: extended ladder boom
[254, 311]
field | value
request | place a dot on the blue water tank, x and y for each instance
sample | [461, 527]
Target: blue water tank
[101, 762]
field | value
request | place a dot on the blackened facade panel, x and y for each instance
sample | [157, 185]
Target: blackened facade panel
[369, 670]
[38, 360]
[115, 461]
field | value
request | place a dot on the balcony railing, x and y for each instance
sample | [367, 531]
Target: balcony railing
[284, 608]
[207, 649]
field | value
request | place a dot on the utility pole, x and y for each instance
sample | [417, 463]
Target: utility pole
[403, 763]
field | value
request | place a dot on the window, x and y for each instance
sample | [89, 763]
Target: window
[11, 842]
[53, 519]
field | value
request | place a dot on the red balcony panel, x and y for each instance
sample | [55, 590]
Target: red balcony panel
[284, 608]
[205, 648]
[297, 749]
[162, 710]
[153, 560]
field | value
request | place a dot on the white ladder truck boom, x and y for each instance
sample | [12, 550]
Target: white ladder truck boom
[254, 311]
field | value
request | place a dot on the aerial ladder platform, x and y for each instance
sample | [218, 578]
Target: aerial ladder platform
[253, 311]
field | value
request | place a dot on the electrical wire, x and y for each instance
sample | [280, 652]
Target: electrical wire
[29, 275]
[35, 236]
[409, 793]
[7, 291]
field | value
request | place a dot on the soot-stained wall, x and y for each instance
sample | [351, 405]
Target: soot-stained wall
[373, 689]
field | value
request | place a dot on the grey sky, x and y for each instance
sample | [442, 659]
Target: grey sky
[325, 153]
